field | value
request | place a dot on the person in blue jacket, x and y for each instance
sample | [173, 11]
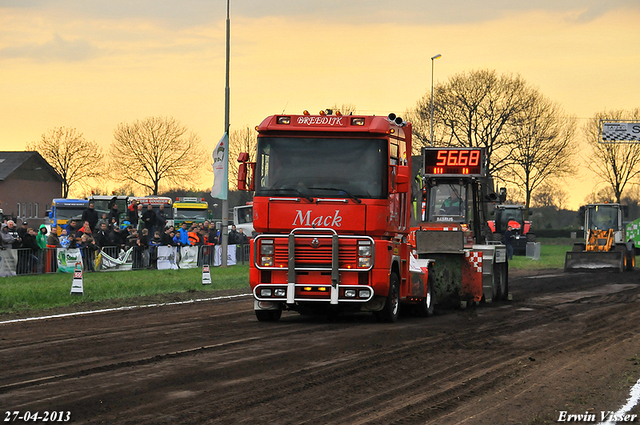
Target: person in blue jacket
[182, 236]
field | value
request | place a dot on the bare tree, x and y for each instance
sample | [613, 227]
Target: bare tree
[344, 109]
[550, 194]
[542, 146]
[243, 140]
[473, 110]
[617, 164]
[156, 150]
[70, 154]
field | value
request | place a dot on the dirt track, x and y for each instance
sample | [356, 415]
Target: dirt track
[567, 342]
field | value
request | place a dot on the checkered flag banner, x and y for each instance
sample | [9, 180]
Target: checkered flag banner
[620, 132]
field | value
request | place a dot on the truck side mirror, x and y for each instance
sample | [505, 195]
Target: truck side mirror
[402, 178]
[246, 170]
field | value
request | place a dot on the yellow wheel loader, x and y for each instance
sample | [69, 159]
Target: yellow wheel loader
[605, 245]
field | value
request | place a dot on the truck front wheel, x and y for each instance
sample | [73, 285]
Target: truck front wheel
[391, 309]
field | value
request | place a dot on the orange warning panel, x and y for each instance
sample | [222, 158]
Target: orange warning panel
[472, 275]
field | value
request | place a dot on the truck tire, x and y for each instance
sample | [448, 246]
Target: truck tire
[426, 307]
[268, 315]
[391, 309]
[499, 282]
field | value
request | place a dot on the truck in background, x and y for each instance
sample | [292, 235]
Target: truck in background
[104, 203]
[332, 209]
[64, 210]
[155, 202]
[190, 210]
[243, 219]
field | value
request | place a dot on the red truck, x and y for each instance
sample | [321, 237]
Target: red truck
[332, 212]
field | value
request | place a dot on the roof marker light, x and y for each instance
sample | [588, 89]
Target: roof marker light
[284, 120]
[357, 121]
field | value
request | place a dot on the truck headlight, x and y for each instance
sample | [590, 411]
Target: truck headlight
[350, 293]
[266, 253]
[265, 292]
[364, 254]
[280, 292]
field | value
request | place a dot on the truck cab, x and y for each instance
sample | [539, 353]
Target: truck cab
[332, 209]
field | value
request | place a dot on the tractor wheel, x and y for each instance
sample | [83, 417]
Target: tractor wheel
[531, 237]
[631, 259]
[391, 309]
[497, 237]
[426, 307]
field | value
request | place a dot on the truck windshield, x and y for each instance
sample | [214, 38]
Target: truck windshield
[68, 213]
[447, 202]
[318, 167]
[187, 214]
[603, 217]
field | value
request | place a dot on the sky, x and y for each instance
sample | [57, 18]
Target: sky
[93, 65]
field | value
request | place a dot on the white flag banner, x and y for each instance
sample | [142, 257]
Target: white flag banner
[188, 257]
[8, 262]
[167, 258]
[221, 168]
[231, 256]
[122, 262]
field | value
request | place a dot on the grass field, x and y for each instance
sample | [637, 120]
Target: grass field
[39, 292]
[27, 293]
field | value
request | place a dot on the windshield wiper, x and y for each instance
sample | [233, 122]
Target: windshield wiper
[289, 189]
[342, 192]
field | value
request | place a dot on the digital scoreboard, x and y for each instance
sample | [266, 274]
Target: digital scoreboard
[454, 161]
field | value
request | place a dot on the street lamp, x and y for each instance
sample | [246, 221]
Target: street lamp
[432, 59]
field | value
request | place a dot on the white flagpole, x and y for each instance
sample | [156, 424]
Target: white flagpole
[225, 202]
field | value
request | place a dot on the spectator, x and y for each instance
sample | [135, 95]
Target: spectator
[88, 250]
[212, 236]
[11, 230]
[182, 236]
[161, 218]
[115, 238]
[41, 238]
[154, 243]
[167, 237]
[72, 227]
[242, 238]
[104, 219]
[507, 238]
[194, 236]
[23, 231]
[141, 252]
[132, 213]
[101, 235]
[114, 215]
[140, 225]
[149, 219]
[90, 215]
[132, 237]
[7, 238]
[233, 236]
[53, 241]
[30, 254]
[65, 240]
[84, 230]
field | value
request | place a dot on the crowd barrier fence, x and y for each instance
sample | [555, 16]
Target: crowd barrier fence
[24, 261]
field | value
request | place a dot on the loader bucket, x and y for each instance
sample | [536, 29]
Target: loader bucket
[594, 260]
